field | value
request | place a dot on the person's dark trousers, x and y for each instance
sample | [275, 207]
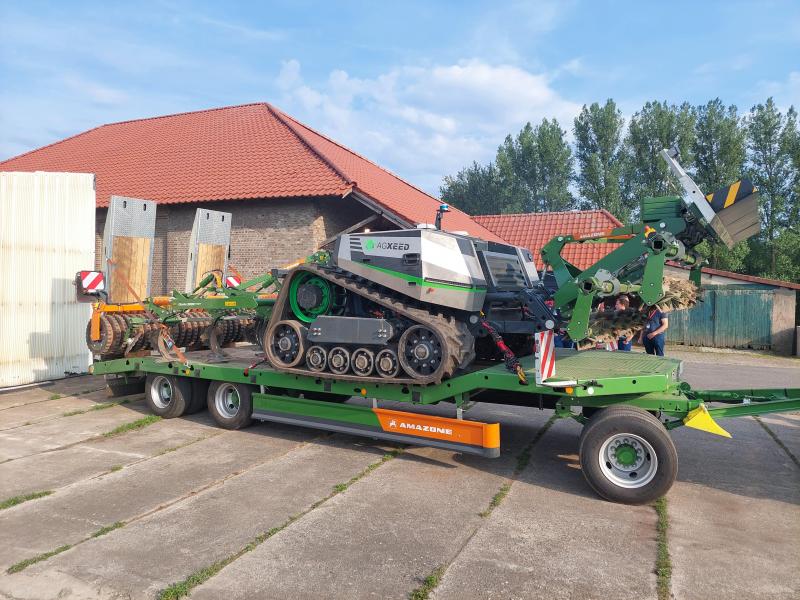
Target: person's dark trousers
[654, 346]
[559, 341]
[624, 344]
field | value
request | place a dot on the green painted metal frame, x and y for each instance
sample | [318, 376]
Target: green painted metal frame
[636, 259]
[659, 392]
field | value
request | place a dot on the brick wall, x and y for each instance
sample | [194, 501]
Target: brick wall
[265, 234]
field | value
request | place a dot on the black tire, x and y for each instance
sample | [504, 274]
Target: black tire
[167, 396]
[627, 455]
[230, 404]
[124, 386]
[199, 396]
[589, 411]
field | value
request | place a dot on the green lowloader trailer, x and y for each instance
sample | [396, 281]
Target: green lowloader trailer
[627, 403]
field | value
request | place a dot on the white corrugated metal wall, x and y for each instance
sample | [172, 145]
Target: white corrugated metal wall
[46, 236]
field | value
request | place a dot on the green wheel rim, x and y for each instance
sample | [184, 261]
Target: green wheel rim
[306, 278]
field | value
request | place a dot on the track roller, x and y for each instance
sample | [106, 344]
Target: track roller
[317, 358]
[363, 361]
[386, 363]
[339, 360]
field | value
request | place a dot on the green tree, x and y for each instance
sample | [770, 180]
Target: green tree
[719, 155]
[771, 136]
[792, 142]
[476, 190]
[599, 154]
[787, 252]
[719, 257]
[657, 126]
[537, 166]
[719, 146]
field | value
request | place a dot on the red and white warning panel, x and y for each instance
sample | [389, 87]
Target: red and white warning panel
[545, 356]
[232, 281]
[92, 281]
[89, 285]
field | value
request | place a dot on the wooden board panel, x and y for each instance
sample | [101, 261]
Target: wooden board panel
[131, 256]
[210, 257]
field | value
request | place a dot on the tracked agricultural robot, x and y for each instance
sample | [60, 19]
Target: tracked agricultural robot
[419, 305]
[411, 305]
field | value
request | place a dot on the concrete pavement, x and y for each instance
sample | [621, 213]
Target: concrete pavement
[284, 512]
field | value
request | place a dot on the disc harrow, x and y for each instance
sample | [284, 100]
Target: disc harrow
[124, 333]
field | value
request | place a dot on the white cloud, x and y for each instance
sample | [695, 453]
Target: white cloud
[425, 122]
[253, 33]
[94, 91]
[786, 93]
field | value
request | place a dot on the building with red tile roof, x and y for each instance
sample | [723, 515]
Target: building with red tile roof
[289, 187]
[534, 230]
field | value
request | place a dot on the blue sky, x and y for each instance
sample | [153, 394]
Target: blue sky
[423, 88]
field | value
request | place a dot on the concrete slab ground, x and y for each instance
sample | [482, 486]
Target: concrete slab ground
[30, 394]
[96, 456]
[553, 538]
[381, 537]
[143, 558]
[734, 516]
[75, 512]
[188, 494]
[58, 433]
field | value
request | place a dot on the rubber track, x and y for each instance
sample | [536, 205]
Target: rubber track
[454, 334]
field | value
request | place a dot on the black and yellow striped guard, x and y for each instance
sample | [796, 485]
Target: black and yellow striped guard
[729, 195]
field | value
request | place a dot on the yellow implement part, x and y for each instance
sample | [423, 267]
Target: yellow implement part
[700, 419]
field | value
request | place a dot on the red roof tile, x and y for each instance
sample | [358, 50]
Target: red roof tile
[237, 152]
[386, 188]
[534, 230]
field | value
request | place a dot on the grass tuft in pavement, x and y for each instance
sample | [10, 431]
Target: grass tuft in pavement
[497, 499]
[55, 397]
[99, 406]
[523, 458]
[116, 468]
[777, 440]
[24, 564]
[133, 425]
[183, 588]
[428, 585]
[663, 561]
[108, 529]
[340, 487]
[13, 501]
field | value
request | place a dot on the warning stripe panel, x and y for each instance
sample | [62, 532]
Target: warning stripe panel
[546, 356]
[729, 195]
[92, 280]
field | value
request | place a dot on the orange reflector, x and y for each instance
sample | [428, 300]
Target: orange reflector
[363, 391]
[569, 390]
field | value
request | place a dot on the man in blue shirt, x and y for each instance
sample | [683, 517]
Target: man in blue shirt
[652, 335]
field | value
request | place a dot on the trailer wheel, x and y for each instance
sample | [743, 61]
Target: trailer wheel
[199, 396]
[627, 455]
[230, 404]
[167, 396]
